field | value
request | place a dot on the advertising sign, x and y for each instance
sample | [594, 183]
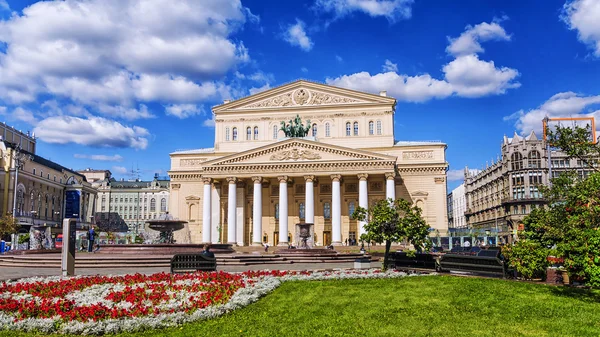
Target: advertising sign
[72, 204]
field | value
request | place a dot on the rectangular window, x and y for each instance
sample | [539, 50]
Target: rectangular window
[227, 134]
[301, 210]
[276, 211]
[275, 131]
[327, 130]
[379, 127]
[327, 211]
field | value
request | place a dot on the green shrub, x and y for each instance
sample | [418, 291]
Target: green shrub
[528, 258]
[23, 238]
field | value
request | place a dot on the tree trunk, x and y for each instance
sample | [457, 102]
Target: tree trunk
[386, 255]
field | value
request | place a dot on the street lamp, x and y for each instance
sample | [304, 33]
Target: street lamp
[20, 158]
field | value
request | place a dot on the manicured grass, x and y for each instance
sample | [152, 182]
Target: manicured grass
[419, 306]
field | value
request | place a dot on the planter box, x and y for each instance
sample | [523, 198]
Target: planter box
[557, 276]
[362, 263]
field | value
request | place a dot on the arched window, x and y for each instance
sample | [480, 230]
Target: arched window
[351, 207]
[152, 205]
[314, 130]
[327, 130]
[275, 130]
[534, 159]
[234, 134]
[348, 128]
[301, 210]
[516, 161]
[20, 201]
[163, 205]
[256, 133]
[379, 127]
[227, 134]
[356, 128]
[371, 130]
[276, 211]
[248, 133]
[41, 173]
[33, 171]
[327, 210]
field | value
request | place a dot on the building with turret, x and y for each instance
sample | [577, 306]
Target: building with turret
[505, 191]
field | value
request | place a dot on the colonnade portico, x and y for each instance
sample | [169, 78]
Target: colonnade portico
[283, 226]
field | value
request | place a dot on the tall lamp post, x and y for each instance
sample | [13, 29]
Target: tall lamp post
[20, 158]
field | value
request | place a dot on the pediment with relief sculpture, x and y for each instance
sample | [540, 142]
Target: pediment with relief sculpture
[296, 150]
[303, 94]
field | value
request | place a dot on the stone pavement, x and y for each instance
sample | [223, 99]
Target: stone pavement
[11, 273]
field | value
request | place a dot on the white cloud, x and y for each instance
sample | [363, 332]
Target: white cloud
[24, 115]
[459, 175]
[93, 131]
[4, 5]
[471, 77]
[2, 110]
[584, 17]
[388, 66]
[119, 169]
[468, 42]
[255, 90]
[564, 104]
[393, 10]
[402, 87]
[304, 69]
[465, 76]
[296, 36]
[210, 123]
[118, 53]
[99, 157]
[339, 58]
[182, 111]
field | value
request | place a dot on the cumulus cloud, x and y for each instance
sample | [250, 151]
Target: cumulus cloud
[469, 41]
[255, 90]
[4, 5]
[582, 16]
[393, 10]
[564, 104]
[99, 157]
[119, 53]
[183, 111]
[389, 66]
[92, 131]
[296, 36]
[119, 169]
[466, 75]
[459, 175]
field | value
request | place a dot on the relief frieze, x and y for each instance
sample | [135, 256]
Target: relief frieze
[416, 155]
[301, 97]
[296, 154]
[192, 162]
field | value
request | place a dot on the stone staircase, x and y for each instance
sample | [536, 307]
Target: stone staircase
[86, 260]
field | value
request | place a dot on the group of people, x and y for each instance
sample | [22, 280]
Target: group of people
[350, 242]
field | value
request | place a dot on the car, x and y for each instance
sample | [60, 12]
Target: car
[59, 241]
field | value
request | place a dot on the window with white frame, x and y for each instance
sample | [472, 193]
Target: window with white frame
[234, 132]
[275, 130]
[314, 130]
[256, 133]
[356, 128]
[248, 133]
[227, 134]
[379, 127]
[327, 130]
[348, 128]
[371, 128]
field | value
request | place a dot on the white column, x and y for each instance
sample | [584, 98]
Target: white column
[390, 185]
[336, 210]
[363, 199]
[231, 211]
[309, 200]
[283, 210]
[206, 210]
[257, 212]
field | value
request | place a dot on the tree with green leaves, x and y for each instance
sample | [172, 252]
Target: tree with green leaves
[571, 220]
[390, 221]
[8, 225]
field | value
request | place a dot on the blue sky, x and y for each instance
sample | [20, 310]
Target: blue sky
[113, 84]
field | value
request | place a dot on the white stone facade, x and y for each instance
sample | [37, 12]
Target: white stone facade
[459, 206]
[232, 192]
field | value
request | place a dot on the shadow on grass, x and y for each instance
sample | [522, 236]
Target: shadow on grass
[581, 294]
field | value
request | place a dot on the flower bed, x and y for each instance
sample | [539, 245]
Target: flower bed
[111, 304]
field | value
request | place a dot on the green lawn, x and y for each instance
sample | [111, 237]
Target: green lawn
[419, 306]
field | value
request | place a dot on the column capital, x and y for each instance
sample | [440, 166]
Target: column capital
[363, 176]
[206, 180]
[231, 180]
[390, 175]
[309, 179]
[282, 179]
[336, 177]
[257, 179]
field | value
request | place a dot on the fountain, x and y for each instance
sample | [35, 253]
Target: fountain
[166, 225]
[305, 243]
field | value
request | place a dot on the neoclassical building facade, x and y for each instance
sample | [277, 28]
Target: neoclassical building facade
[256, 184]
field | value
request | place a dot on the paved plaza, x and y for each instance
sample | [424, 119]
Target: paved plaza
[11, 273]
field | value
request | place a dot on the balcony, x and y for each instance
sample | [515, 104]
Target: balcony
[525, 200]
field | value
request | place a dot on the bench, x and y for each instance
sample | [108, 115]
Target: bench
[487, 262]
[190, 263]
[400, 260]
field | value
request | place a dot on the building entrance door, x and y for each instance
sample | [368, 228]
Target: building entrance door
[326, 238]
[275, 238]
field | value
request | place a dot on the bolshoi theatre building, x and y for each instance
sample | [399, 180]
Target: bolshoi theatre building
[259, 180]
